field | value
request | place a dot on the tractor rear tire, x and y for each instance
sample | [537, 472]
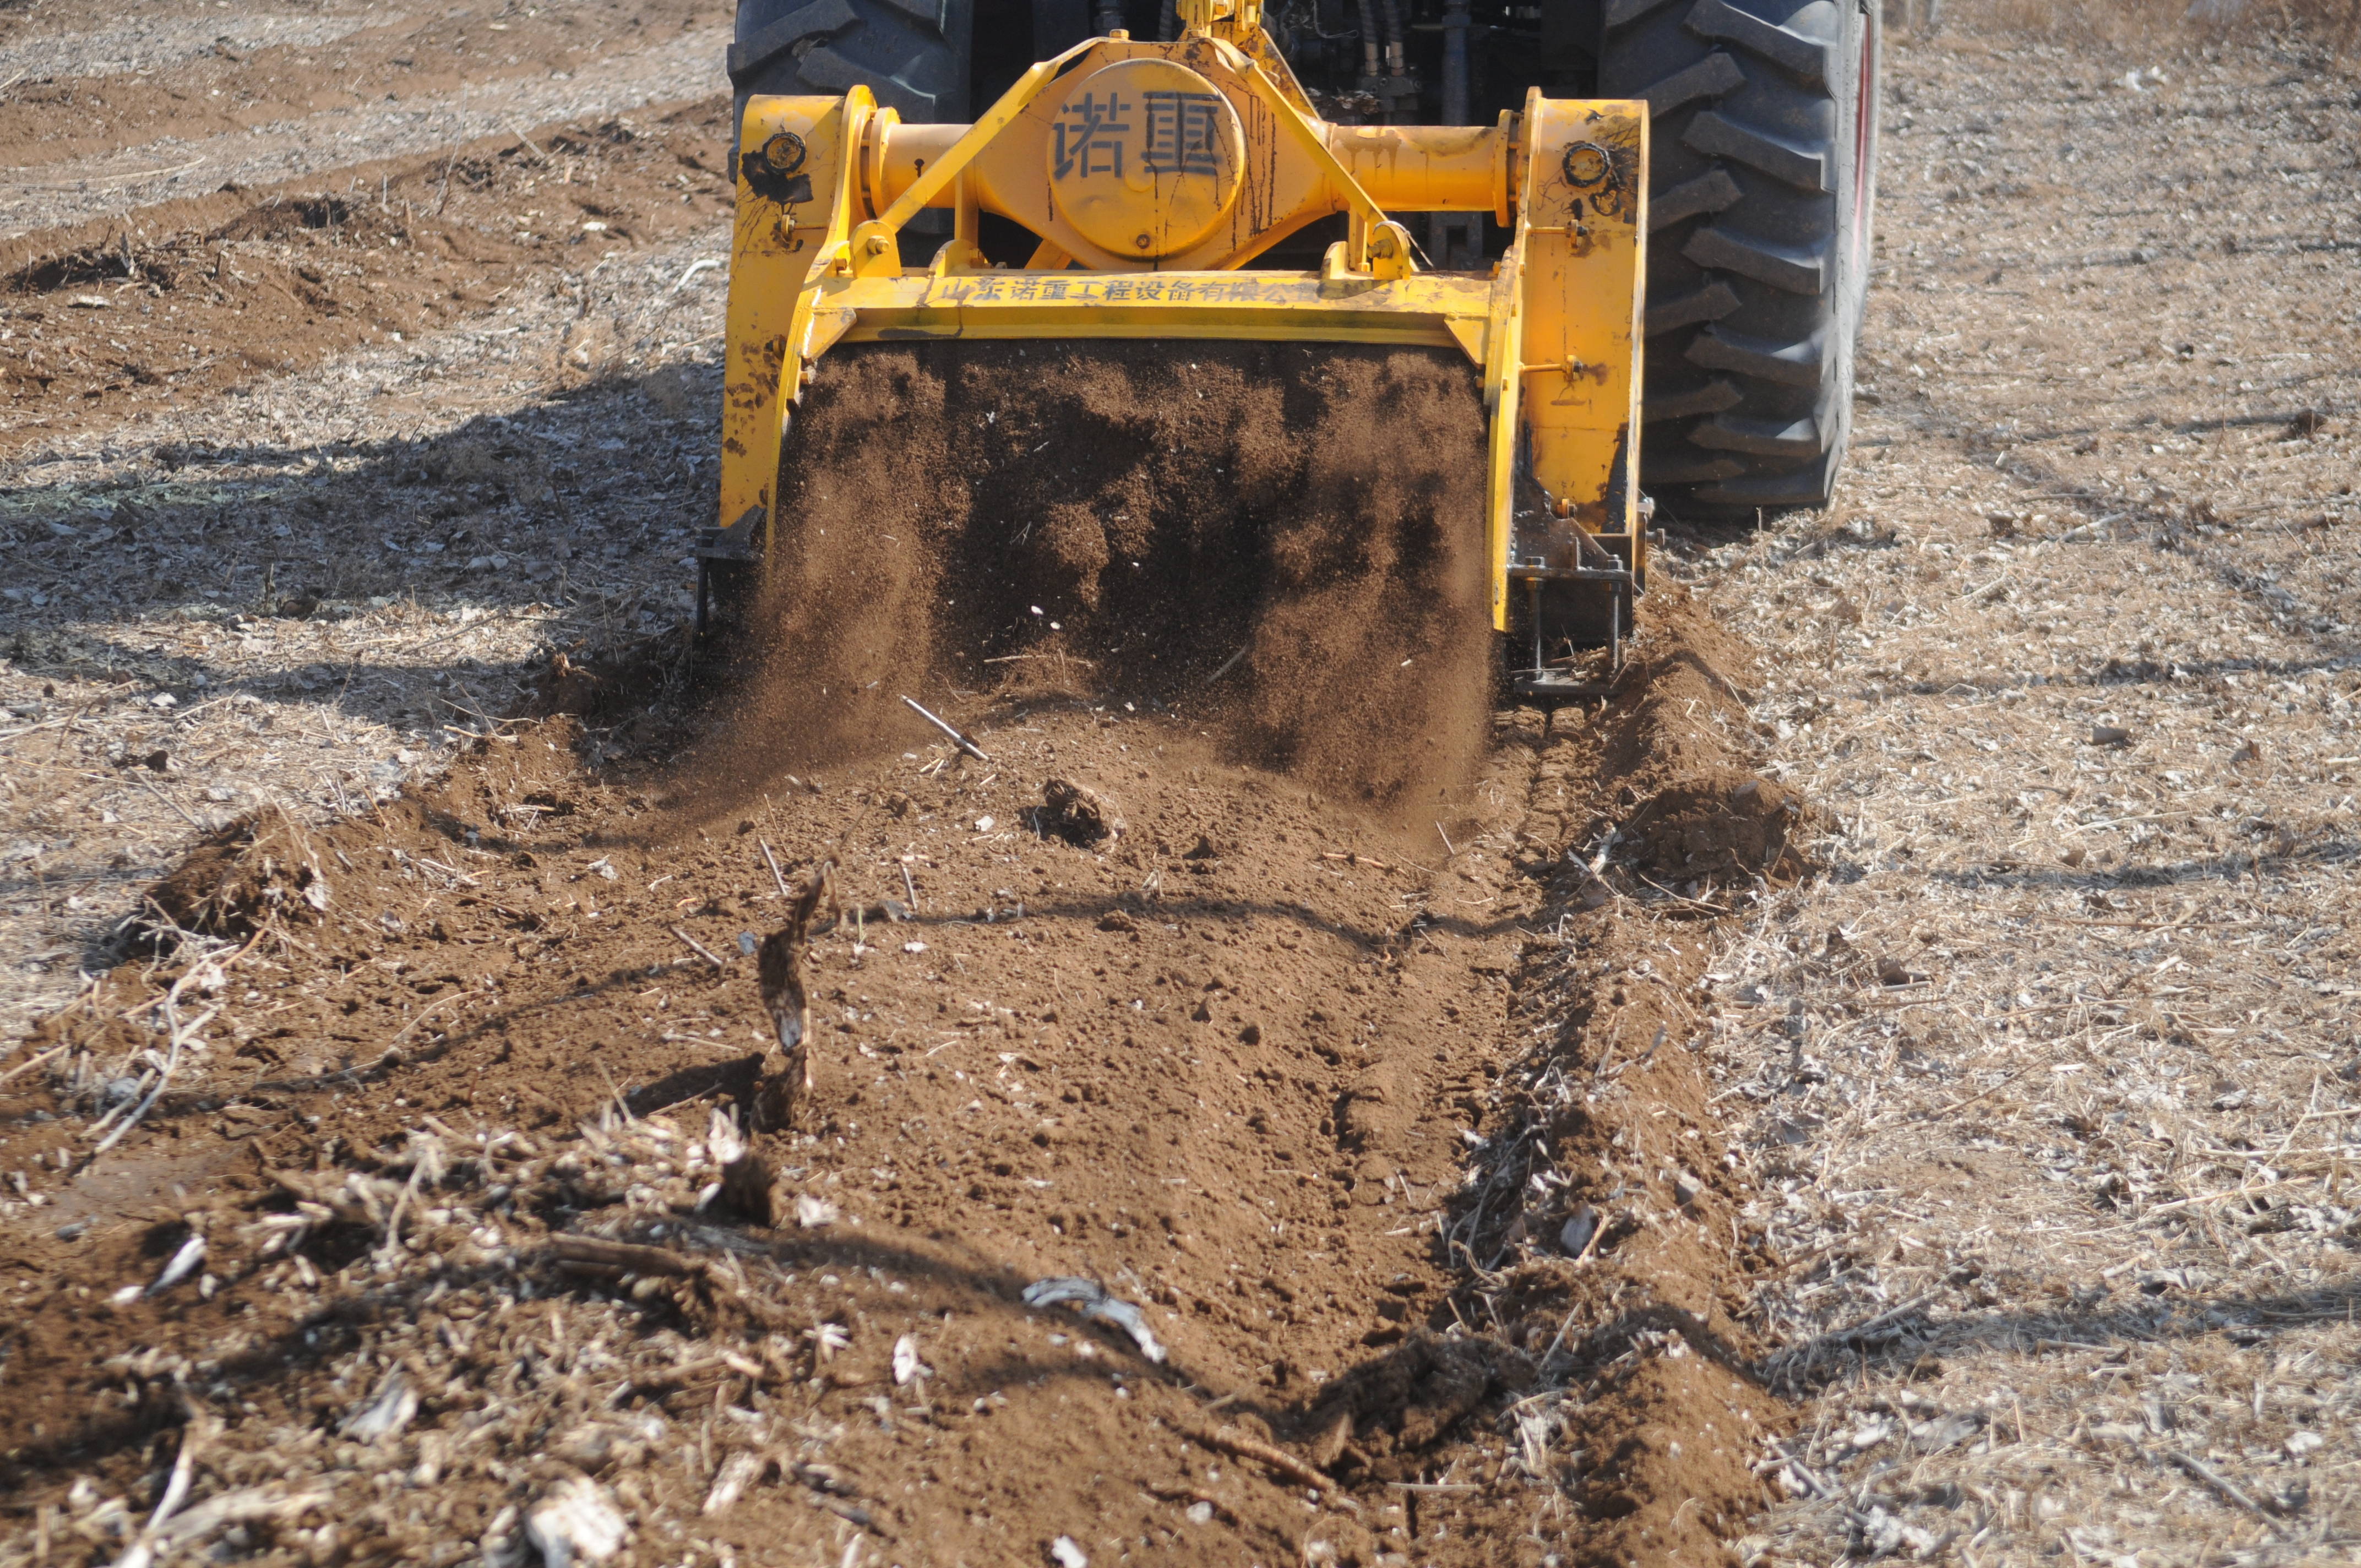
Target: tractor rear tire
[912, 53]
[1763, 167]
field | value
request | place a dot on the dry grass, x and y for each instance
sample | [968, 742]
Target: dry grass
[407, 1284]
[2053, 1084]
[2169, 24]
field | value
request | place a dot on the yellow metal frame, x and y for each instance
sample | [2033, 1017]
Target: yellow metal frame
[828, 185]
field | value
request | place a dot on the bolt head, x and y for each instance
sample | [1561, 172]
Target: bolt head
[1586, 163]
[784, 153]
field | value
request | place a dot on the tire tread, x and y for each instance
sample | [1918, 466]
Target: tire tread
[1801, 363]
[1712, 191]
[1762, 438]
[1715, 397]
[1805, 168]
[1804, 58]
[1711, 304]
[1752, 278]
[913, 54]
[1714, 76]
[1781, 266]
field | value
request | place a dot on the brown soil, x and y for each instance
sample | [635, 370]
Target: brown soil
[1718, 827]
[1230, 1061]
[1232, 528]
[1248, 979]
[197, 299]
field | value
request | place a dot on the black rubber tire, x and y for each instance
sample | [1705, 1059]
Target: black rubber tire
[913, 54]
[1761, 192]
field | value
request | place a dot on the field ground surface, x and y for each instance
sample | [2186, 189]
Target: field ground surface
[1883, 1083]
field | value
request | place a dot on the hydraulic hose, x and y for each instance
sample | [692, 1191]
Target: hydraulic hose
[1454, 62]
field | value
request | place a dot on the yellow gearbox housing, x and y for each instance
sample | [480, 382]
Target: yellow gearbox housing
[1154, 175]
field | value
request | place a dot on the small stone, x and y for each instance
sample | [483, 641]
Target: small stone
[1574, 1237]
[576, 1522]
[1894, 971]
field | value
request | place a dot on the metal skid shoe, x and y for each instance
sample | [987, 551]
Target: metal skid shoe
[1580, 595]
[729, 580]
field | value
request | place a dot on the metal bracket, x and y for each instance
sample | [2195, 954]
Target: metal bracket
[1563, 684]
[1616, 574]
[1623, 587]
[735, 542]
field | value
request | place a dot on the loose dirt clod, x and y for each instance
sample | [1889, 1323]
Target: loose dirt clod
[1718, 827]
[257, 868]
[1075, 814]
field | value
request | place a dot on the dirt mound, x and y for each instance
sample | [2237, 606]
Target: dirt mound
[1243, 532]
[1717, 825]
[1383, 1418]
[260, 867]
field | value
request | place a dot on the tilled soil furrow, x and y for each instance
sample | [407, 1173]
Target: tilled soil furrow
[327, 144]
[1229, 1063]
[148, 314]
[142, 86]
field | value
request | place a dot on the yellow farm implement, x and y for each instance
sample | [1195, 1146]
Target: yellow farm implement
[1155, 177]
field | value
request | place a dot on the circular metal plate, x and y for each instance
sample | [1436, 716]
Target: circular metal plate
[1144, 157]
